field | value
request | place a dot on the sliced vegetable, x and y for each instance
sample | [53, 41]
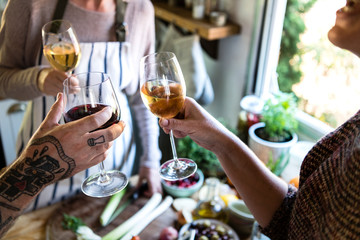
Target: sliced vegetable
[131, 199]
[77, 226]
[136, 230]
[111, 207]
[123, 228]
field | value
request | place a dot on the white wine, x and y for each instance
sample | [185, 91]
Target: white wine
[62, 56]
[163, 100]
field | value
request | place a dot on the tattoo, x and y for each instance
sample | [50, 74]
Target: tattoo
[93, 141]
[35, 172]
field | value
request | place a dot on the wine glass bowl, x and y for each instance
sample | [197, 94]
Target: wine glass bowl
[163, 91]
[60, 45]
[84, 95]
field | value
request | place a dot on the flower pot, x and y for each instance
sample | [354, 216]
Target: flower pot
[264, 149]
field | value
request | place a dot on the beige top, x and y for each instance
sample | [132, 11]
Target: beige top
[20, 39]
[20, 44]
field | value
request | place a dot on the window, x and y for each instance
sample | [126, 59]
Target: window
[327, 86]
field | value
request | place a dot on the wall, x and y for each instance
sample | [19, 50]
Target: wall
[229, 72]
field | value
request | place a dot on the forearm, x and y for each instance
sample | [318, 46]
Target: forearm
[42, 163]
[262, 191]
[19, 84]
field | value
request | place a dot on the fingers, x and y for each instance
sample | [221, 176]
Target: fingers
[105, 135]
[94, 121]
[55, 113]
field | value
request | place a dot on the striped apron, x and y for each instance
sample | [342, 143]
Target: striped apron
[112, 58]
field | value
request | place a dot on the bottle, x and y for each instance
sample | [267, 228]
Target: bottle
[211, 206]
[198, 9]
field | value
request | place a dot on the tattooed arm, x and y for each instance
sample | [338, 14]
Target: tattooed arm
[54, 152]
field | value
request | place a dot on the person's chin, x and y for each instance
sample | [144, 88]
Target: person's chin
[336, 35]
[343, 39]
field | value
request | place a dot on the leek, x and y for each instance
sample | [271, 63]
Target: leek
[77, 226]
[123, 228]
[136, 230]
[111, 207]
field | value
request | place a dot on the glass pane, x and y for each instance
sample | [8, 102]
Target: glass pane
[328, 88]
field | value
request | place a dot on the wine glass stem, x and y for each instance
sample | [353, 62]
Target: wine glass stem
[103, 176]
[177, 164]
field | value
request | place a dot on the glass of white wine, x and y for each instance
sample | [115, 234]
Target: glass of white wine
[163, 91]
[61, 45]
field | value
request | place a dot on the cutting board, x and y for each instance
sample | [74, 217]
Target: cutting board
[89, 210]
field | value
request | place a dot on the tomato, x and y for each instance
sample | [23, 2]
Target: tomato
[135, 238]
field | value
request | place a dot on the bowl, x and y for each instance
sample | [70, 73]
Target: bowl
[183, 188]
[240, 217]
[208, 226]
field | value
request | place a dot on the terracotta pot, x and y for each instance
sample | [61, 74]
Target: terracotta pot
[263, 149]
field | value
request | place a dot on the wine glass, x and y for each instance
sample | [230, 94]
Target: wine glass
[163, 91]
[86, 94]
[61, 45]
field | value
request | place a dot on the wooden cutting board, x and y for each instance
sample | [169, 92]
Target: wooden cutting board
[89, 210]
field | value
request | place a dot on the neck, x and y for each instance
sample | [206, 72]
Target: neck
[96, 5]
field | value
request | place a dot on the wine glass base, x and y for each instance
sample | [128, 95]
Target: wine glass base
[169, 171]
[94, 187]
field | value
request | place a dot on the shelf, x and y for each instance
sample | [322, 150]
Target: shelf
[182, 17]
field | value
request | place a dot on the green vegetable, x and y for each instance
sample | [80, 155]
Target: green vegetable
[71, 223]
[111, 207]
[160, 209]
[126, 226]
[77, 226]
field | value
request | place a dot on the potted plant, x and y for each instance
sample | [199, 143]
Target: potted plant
[273, 136]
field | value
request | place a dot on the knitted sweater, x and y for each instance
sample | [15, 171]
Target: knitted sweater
[327, 203]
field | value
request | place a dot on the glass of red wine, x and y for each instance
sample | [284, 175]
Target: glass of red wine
[163, 91]
[86, 94]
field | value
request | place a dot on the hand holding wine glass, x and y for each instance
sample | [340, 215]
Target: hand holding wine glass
[92, 93]
[163, 92]
[61, 45]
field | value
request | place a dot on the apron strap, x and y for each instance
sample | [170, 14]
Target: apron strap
[60, 9]
[120, 24]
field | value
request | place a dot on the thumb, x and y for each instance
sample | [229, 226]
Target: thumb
[55, 113]
[173, 124]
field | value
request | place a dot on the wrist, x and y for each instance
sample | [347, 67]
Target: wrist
[41, 78]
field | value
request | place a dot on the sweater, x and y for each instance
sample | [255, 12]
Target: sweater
[327, 203]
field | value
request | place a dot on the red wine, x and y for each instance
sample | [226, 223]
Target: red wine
[81, 111]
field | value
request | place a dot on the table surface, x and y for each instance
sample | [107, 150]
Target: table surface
[45, 223]
[35, 225]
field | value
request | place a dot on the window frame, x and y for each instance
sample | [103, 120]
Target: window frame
[262, 74]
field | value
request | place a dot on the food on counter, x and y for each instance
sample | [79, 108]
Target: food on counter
[77, 226]
[181, 204]
[184, 183]
[168, 233]
[128, 225]
[135, 238]
[227, 198]
[295, 181]
[207, 230]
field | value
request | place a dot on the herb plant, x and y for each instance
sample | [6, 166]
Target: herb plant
[278, 114]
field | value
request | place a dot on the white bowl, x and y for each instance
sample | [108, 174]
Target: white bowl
[240, 217]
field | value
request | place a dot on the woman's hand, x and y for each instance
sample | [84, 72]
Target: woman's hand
[50, 81]
[71, 147]
[152, 178]
[197, 123]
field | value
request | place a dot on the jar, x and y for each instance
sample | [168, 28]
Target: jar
[250, 113]
[198, 9]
